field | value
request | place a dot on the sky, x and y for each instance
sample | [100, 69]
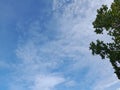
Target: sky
[44, 45]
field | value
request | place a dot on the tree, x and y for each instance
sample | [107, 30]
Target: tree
[108, 20]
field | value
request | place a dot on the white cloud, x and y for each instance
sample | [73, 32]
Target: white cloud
[76, 25]
[71, 83]
[40, 55]
[43, 82]
[107, 83]
[118, 89]
[37, 82]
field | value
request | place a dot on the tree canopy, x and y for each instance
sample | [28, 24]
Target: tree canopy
[108, 20]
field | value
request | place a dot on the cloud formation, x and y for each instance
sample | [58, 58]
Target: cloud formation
[58, 53]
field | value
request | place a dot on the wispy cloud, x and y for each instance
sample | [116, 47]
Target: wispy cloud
[51, 54]
[46, 82]
[108, 83]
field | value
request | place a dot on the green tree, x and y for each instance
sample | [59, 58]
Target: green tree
[108, 20]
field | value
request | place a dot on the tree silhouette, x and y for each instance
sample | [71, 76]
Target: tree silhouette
[108, 20]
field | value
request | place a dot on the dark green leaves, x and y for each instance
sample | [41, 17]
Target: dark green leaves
[108, 20]
[99, 48]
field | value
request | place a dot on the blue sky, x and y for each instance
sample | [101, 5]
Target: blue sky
[44, 45]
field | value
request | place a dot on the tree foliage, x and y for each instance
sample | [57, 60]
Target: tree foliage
[108, 20]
